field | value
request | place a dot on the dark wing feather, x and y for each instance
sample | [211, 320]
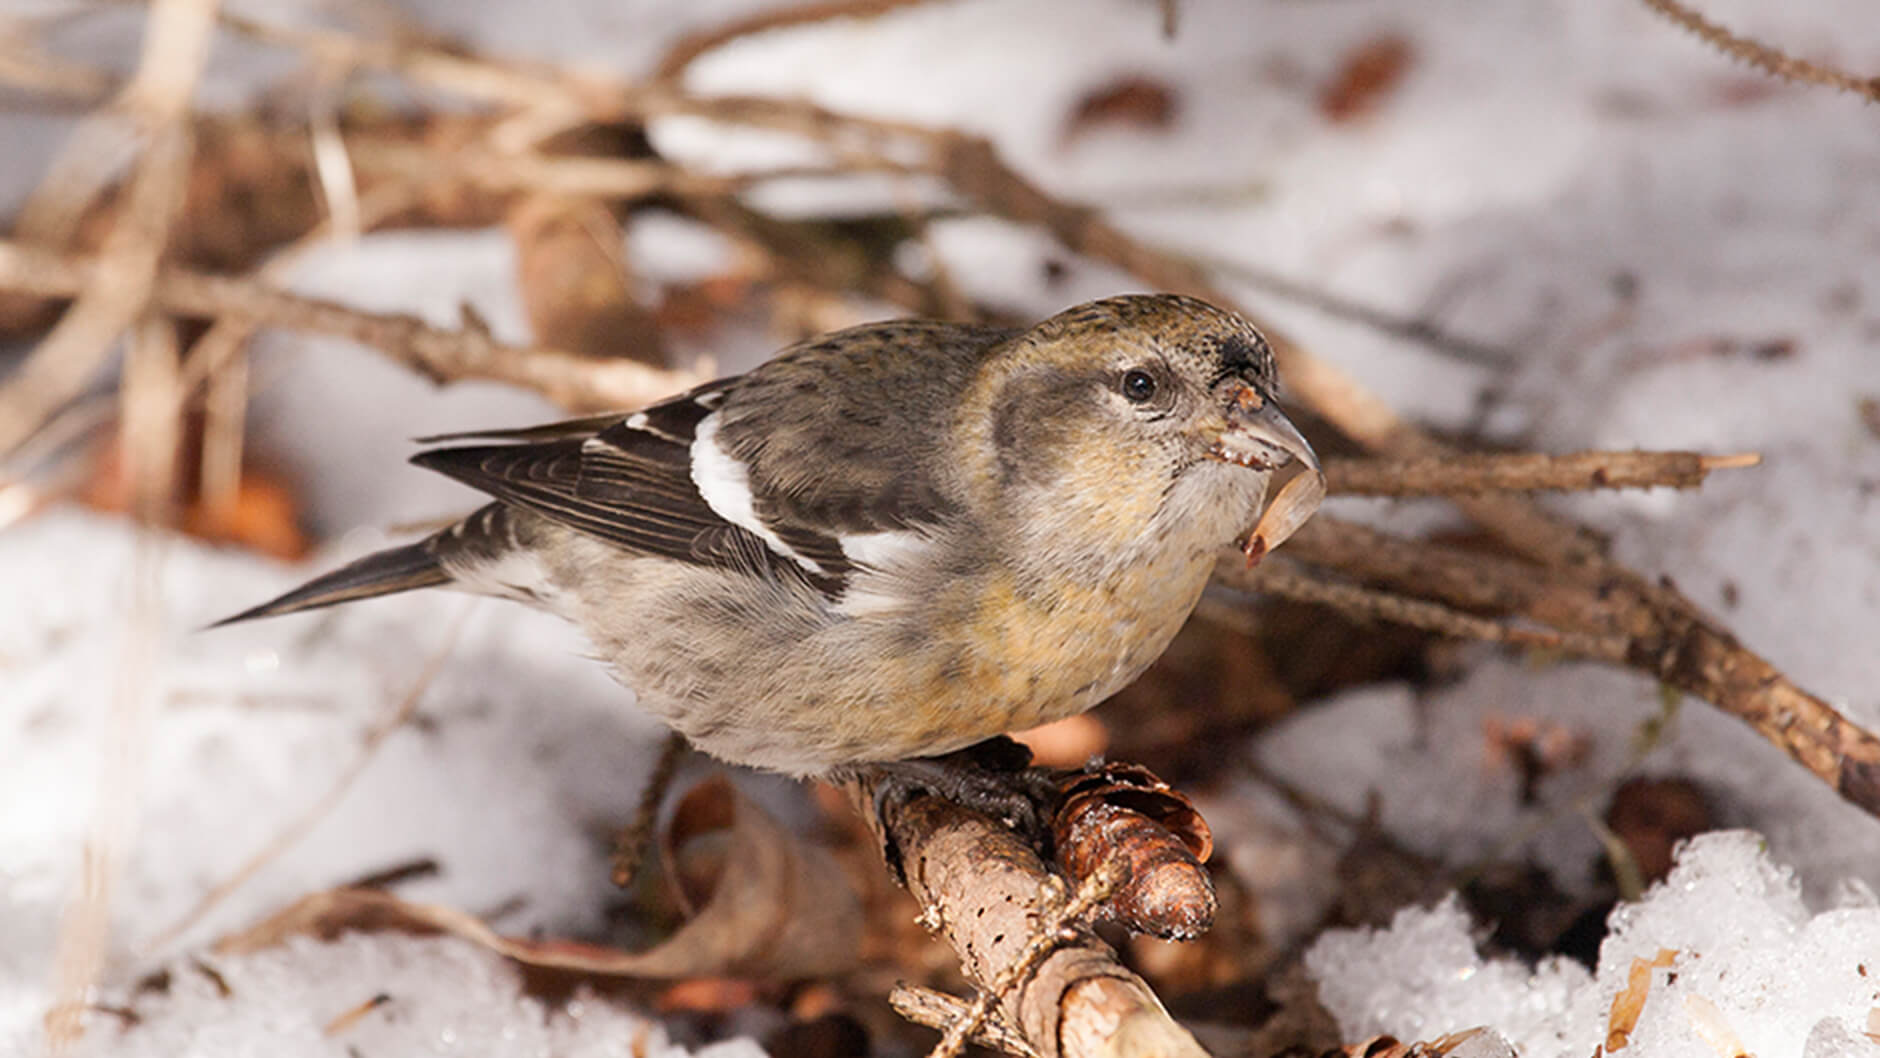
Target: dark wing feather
[566, 429]
[381, 573]
[629, 483]
[836, 435]
[675, 418]
[839, 433]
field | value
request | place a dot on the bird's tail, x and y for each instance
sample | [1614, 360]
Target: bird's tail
[395, 569]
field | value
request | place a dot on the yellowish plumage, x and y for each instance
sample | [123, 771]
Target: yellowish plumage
[891, 542]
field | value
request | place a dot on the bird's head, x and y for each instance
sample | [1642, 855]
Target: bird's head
[1147, 420]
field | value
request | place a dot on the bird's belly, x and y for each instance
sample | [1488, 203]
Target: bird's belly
[788, 693]
[1005, 663]
[1050, 660]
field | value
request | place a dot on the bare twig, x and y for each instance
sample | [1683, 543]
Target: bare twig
[530, 88]
[988, 895]
[1451, 475]
[1277, 577]
[215, 350]
[690, 47]
[1410, 328]
[631, 843]
[1763, 57]
[938, 1011]
[437, 353]
[1059, 925]
[609, 178]
[1665, 636]
[68, 357]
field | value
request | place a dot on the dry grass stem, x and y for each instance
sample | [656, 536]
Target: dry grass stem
[73, 353]
[1410, 328]
[540, 89]
[85, 927]
[608, 178]
[224, 430]
[175, 48]
[151, 437]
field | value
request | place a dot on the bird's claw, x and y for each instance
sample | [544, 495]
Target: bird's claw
[994, 778]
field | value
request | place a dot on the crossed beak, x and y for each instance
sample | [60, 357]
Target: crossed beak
[1259, 436]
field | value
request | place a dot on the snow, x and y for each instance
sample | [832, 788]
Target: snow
[522, 755]
[1671, 251]
[1750, 967]
[379, 995]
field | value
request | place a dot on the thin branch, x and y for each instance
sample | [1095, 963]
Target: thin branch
[1665, 636]
[1410, 328]
[1763, 57]
[985, 890]
[690, 47]
[530, 88]
[1452, 475]
[610, 178]
[1062, 918]
[440, 354]
[1277, 577]
[636, 837]
[938, 1011]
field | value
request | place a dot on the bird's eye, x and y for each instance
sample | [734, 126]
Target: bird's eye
[1138, 386]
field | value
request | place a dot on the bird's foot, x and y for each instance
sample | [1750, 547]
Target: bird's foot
[994, 778]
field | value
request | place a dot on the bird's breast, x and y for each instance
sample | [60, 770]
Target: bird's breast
[1033, 653]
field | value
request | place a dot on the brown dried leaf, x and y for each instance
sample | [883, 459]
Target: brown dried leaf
[572, 270]
[1651, 816]
[1132, 101]
[778, 909]
[706, 995]
[263, 515]
[1869, 408]
[1366, 76]
[695, 308]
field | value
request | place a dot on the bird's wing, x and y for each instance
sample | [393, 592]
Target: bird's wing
[818, 464]
[627, 481]
[849, 432]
